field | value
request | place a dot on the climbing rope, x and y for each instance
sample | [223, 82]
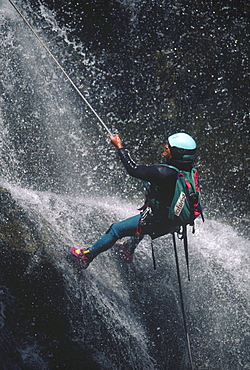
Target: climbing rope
[182, 306]
[62, 69]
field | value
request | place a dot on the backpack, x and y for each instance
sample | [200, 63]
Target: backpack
[186, 204]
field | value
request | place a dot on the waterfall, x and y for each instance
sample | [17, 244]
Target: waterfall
[62, 185]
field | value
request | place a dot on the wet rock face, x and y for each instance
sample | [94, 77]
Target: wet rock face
[34, 307]
[47, 320]
[52, 316]
[15, 237]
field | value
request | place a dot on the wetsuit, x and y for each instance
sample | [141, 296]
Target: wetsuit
[160, 177]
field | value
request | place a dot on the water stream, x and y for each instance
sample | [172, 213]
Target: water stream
[57, 163]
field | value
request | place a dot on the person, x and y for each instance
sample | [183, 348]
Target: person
[159, 181]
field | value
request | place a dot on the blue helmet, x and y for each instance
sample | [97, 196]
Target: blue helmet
[182, 146]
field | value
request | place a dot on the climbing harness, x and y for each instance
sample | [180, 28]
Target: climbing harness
[62, 69]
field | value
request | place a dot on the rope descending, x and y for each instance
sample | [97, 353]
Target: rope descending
[62, 69]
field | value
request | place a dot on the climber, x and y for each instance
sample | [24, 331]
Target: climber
[160, 183]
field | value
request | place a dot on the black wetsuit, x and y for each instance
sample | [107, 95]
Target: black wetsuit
[160, 176]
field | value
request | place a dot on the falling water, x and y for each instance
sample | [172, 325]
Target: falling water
[58, 165]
